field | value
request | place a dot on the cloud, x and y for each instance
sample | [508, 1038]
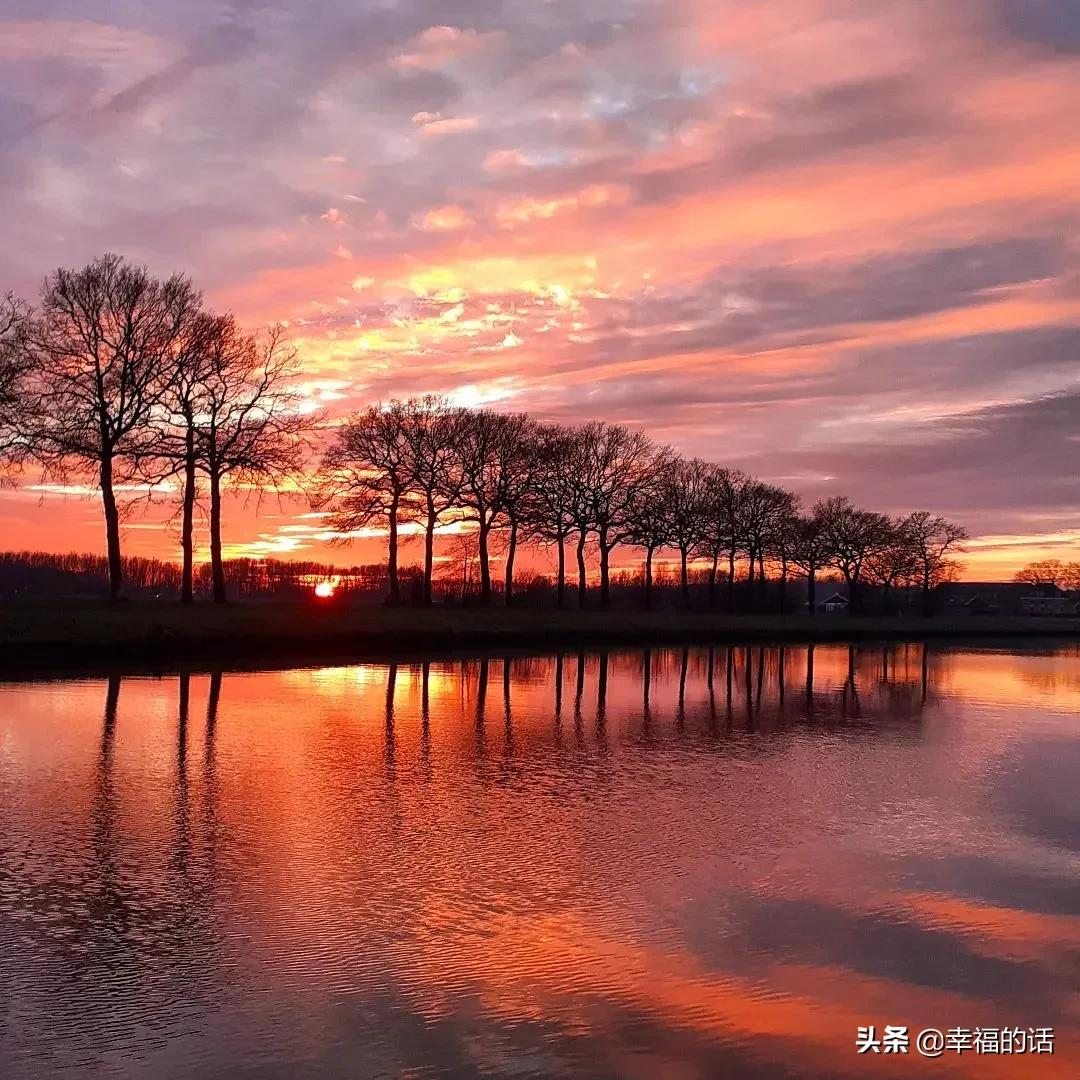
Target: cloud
[817, 244]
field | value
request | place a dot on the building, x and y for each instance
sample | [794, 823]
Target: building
[1003, 598]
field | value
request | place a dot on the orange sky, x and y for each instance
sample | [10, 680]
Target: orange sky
[834, 244]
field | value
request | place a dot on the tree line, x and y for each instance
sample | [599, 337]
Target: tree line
[595, 487]
[129, 380]
[1051, 572]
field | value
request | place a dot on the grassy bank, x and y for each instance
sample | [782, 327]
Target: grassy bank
[74, 633]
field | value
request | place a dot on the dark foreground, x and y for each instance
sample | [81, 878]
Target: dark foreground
[692, 863]
[64, 633]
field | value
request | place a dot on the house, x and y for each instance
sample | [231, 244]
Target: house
[1003, 598]
[836, 602]
[1046, 603]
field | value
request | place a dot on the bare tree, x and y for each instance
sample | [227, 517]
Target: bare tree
[98, 350]
[552, 506]
[16, 402]
[1050, 572]
[810, 551]
[651, 516]
[522, 450]
[782, 541]
[498, 467]
[853, 535]
[617, 466]
[251, 430]
[892, 563]
[764, 510]
[177, 442]
[1070, 577]
[365, 478]
[687, 501]
[931, 540]
[432, 436]
[724, 528]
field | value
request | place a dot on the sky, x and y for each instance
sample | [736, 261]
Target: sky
[832, 243]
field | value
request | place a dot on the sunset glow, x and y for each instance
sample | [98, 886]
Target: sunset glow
[834, 245]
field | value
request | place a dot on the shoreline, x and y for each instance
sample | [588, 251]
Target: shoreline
[92, 634]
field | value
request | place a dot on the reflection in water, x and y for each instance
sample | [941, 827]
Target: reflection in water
[339, 878]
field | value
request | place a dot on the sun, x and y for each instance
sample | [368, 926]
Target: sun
[324, 590]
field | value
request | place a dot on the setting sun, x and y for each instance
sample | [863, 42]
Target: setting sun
[324, 590]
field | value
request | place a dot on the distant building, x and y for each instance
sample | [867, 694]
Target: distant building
[1004, 598]
[836, 602]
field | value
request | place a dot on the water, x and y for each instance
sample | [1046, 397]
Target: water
[595, 866]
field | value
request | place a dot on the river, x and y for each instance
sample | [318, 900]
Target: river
[652, 863]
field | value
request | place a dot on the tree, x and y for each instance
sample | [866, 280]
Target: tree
[650, 519]
[852, 535]
[552, 511]
[177, 439]
[521, 456]
[930, 540]
[432, 436]
[892, 563]
[685, 495]
[251, 431]
[724, 529]
[97, 351]
[810, 552]
[782, 541]
[617, 466]
[16, 403]
[497, 469]
[365, 478]
[764, 510]
[1046, 572]
[1070, 577]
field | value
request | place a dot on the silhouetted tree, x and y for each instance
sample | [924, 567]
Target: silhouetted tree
[686, 497]
[553, 500]
[252, 430]
[16, 402]
[1049, 572]
[723, 527]
[177, 440]
[931, 540]
[365, 479]
[97, 351]
[853, 535]
[432, 436]
[617, 466]
[810, 551]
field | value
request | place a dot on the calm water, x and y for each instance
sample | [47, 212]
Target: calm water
[615, 866]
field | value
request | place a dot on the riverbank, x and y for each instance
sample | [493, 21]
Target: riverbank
[76, 633]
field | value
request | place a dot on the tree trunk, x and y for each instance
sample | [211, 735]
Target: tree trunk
[783, 584]
[605, 581]
[712, 579]
[560, 581]
[811, 592]
[392, 554]
[731, 578]
[582, 582]
[511, 552]
[684, 577]
[429, 555]
[926, 593]
[853, 595]
[187, 542]
[485, 564]
[217, 565]
[112, 528]
[648, 578]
